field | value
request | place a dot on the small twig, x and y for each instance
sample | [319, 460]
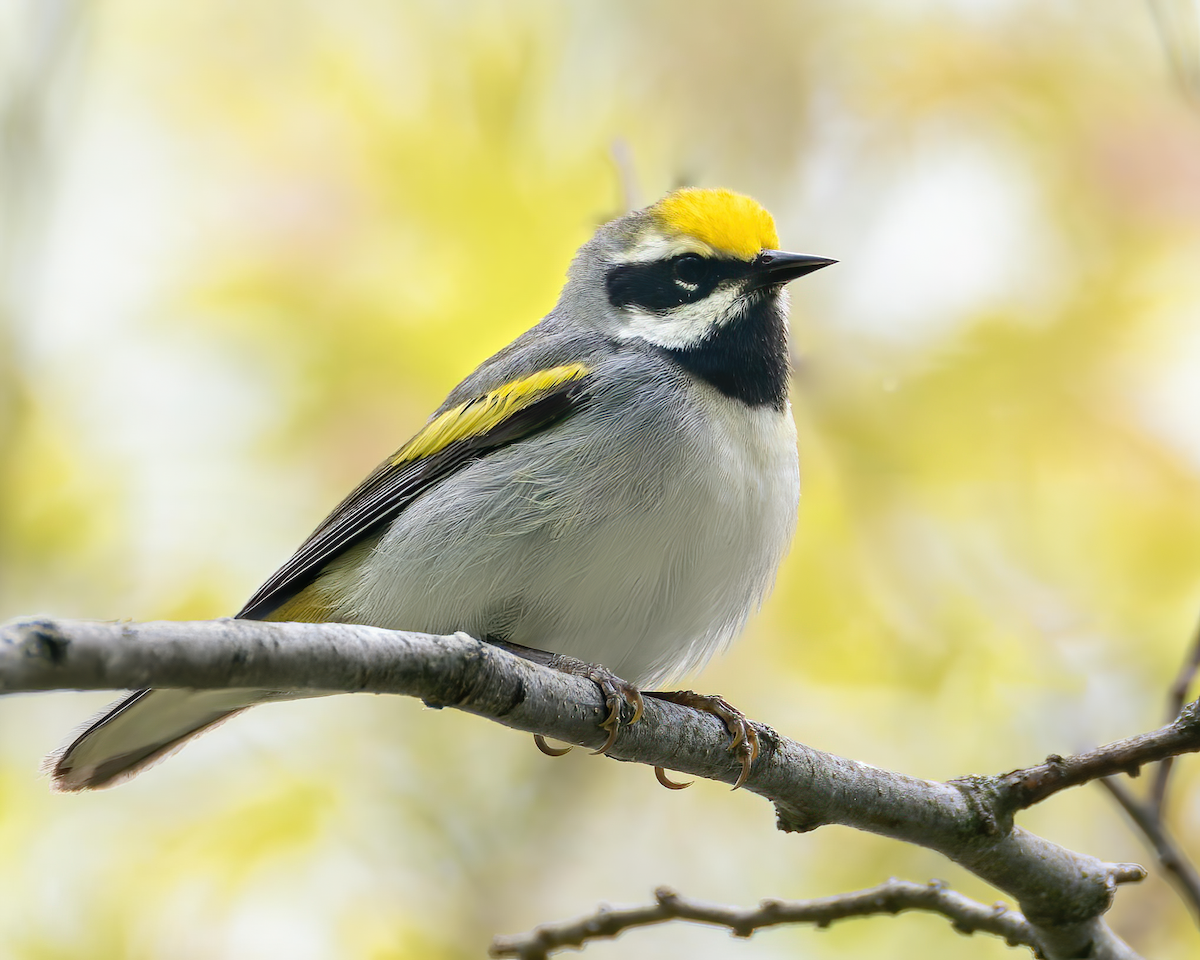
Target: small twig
[1149, 815]
[965, 915]
[1179, 31]
[1177, 867]
[1024, 788]
[1176, 698]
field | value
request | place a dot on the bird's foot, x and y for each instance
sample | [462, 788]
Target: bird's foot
[744, 744]
[617, 693]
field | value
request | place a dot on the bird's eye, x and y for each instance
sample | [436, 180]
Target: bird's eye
[690, 269]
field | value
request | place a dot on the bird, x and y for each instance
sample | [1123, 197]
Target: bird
[611, 494]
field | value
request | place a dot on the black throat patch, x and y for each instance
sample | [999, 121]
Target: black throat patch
[746, 359]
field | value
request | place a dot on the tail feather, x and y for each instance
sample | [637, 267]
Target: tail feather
[140, 729]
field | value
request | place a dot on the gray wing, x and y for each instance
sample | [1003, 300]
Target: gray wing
[392, 486]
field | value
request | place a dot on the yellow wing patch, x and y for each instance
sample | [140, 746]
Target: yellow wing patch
[483, 413]
[729, 222]
[308, 606]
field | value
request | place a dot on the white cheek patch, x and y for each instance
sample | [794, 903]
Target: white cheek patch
[686, 325]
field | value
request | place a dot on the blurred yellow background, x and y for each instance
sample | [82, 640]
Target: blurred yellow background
[245, 249]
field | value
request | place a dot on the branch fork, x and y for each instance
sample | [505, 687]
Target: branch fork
[1061, 894]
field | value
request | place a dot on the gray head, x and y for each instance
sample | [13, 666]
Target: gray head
[698, 276]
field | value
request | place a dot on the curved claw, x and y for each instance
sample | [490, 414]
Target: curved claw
[616, 693]
[743, 737]
[548, 750]
[634, 695]
[745, 742]
[661, 776]
[612, 729]
[747, 763]
[614, 712]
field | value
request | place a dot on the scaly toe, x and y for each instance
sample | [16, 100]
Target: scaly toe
[617, 693]
[743, 737]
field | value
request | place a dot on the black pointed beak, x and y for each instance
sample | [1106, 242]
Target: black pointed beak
[776, 266]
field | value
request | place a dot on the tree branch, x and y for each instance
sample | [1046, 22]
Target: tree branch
[1149, 815]
[1023, 788]
[966, 915]
[1062, 894]
[1178, 868]
[1176, 698]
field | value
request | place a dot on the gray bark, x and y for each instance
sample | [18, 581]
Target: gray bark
[1061, 893]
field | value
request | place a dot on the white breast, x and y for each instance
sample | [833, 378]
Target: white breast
[751, 514]
[642, 553]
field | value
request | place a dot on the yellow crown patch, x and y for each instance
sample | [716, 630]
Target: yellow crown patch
[728, 222]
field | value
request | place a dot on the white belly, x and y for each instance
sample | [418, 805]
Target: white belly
[646, 566]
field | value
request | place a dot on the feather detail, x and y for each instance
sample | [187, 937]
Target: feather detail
[449, 442]
[730, 223]
[481, 414]
[310, 605]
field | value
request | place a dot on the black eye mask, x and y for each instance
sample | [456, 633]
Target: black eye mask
[661, 285]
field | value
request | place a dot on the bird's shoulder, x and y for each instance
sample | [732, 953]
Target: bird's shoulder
[547, 346]
[555, 344]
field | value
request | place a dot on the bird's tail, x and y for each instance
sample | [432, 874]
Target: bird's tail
[140, 729]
